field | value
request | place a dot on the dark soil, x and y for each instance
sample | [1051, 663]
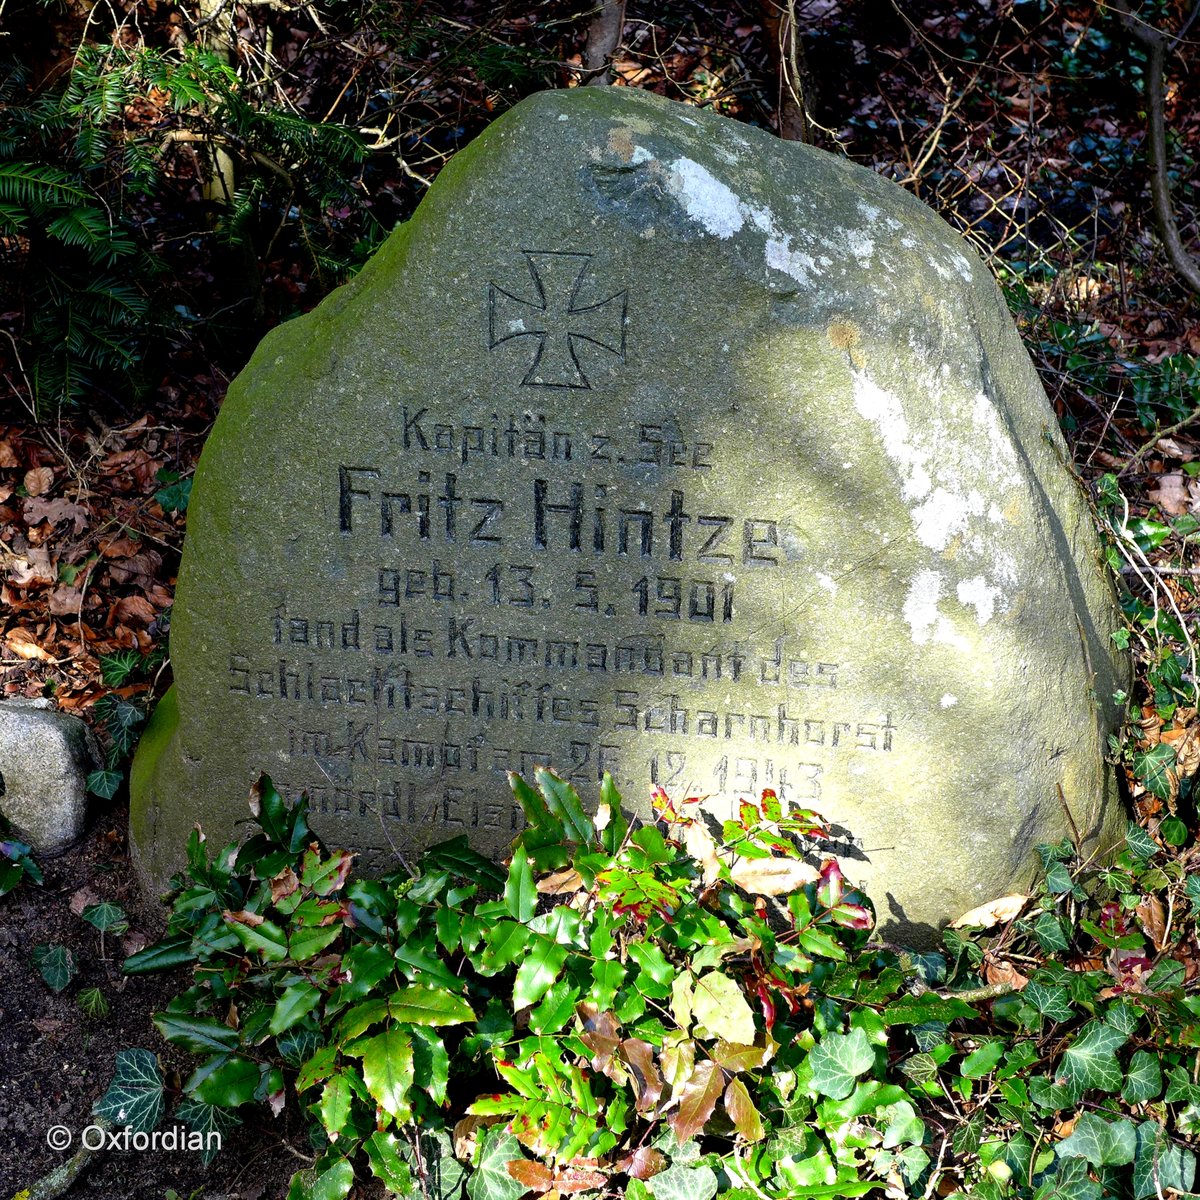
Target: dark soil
[55, 1064]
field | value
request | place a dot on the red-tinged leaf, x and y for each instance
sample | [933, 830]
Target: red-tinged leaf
[644, 1163]
[772, 810]
[851, 916]
[253, 920]
[536, 1176]
[832, 884]
[735, 1058]
[568, 1180]
[698, 1098]
[745, 1117]
[284, 884]
[747, 814]
[639, 1055]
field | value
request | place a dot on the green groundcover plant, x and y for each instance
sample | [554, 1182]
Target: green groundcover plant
[669, 1009]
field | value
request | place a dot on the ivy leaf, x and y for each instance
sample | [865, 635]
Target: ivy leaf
[422, 1005]
[1070, 1182]
[539, 969]
[984, 1060]
[387, 1065]
[1103, 1143]
[135, 1096]
[921, 1068]
[55, 964]
[1140, 843]
[520, 895]
[1051, 1002]
[1144, 1080]
[1051, 936]
[210, 1122]
[838, 1060]
[105, 916]
[490, 1180]
[679, 1182]
[1154, 769]
[719, 1004]
[1091, 1062]
[1160, 1166]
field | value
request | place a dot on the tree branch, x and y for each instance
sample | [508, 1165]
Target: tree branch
[601, 42]
[1156, 43]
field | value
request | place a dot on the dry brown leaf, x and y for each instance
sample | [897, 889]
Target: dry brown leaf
[38, 481]
[137, 610]
[1171, 494]
[64, 601]
[56, 511]
[1154, 920]
[84, 897]
[134, 941]
[560, 883]
[997, 971]
[141, 569]
[772, 876]
[34, 566]
[466, 1134]
[700, 845]
[8, 456]
[994, 912]
[22, 644]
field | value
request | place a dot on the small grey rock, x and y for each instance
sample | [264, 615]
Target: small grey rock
[45, 758]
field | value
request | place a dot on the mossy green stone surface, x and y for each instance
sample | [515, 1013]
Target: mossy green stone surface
[651, 444]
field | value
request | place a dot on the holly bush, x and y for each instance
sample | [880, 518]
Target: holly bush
[674, 1009]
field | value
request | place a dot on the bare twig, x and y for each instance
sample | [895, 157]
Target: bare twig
[1156, 43]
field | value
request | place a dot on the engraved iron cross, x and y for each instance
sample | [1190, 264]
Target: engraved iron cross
[557, 319]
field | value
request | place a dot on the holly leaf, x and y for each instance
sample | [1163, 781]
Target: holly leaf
[698, 1098]
[386, 1163]
[745, 1117]
[838, 1060]
[387, 1064]
[538, 970]
[520, 895]
[336, 1098]
[422, 1005]
[135, 1096]
[230, 1084]
[294, 1005]
[200, 1035]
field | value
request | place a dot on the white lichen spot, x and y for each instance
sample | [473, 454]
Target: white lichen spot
[886, 413]
[921, 612]
[963, 264]
[640, 155]
[781, 257]
[949, 700]
[868, 210]
[827, 582]
[705, 198]
[516, 326]
[980, 595]
[995, 515]
[861, 246]
[944, 515]
[563, 117]
[920, 605]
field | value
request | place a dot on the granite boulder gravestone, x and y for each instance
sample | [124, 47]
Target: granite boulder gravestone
[650, 445]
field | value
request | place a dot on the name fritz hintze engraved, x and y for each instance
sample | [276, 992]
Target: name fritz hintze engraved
[502, 564]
